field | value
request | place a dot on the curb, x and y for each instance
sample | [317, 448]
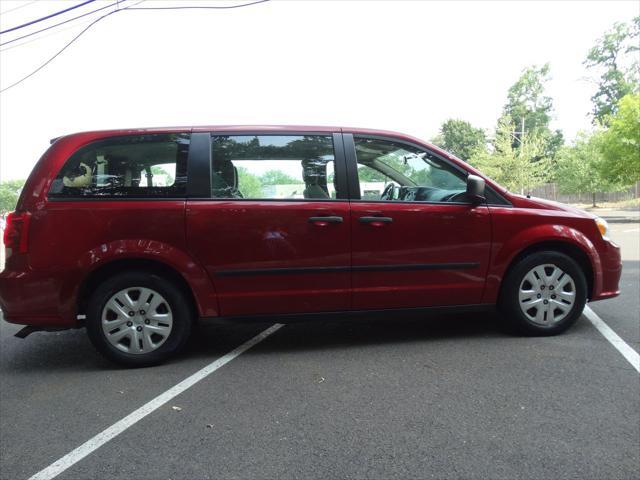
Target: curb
[621, 219]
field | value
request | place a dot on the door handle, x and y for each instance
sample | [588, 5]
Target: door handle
[375, 221]
[323, 221]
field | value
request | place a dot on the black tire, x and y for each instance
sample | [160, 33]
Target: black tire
[175, 298]
[509, 304]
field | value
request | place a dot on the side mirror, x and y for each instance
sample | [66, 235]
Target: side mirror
[475, 189]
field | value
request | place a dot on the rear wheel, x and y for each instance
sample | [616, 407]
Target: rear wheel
[138, 319]
[543, 294]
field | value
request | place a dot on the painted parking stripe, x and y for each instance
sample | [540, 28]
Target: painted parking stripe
[117, 428]
[623, 347]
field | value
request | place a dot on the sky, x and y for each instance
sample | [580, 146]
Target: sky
[397, 65]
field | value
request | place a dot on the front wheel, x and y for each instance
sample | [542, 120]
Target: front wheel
[138, 319]
[543, 294]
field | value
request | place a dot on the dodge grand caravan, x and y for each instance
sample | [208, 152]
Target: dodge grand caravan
[136, 233]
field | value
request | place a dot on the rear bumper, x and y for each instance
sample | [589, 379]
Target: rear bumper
[33, 298]
[611, 270]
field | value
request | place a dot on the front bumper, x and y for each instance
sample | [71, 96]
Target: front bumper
[611, 270]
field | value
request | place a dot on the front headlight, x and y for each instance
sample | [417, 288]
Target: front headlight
[603, 227]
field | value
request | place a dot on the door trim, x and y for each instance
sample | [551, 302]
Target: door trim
[339, 269]
[199, 166]
[410, 312]
[352, 166]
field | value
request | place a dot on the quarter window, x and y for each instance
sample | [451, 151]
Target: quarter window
[273, 167]
[127, 166]
[392, 171]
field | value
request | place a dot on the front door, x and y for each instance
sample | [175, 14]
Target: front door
[417, 241]
[274, 235]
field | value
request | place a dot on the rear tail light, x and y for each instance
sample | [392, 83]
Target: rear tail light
[16, 232]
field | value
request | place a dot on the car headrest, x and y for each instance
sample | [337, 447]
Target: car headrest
[226, 172]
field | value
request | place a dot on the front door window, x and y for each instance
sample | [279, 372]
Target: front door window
[391, 171]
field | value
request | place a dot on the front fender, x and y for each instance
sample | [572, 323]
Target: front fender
[506, 248]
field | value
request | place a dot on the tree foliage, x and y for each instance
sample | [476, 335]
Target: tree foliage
[368, 174]
[526, 100]
[579, 168]
[278, 177]
[9, 193]
[621, 142]
[530, 110]
[461, 138]
[158, 170]
[519, 169]
[249, 184]
[615, 54]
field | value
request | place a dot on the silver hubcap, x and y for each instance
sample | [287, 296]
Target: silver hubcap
[137, 320]
[547, 294]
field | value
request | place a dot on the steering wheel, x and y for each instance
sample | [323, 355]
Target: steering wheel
[456, 197]
[387, 193]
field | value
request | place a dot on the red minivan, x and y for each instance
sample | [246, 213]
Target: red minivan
[137, 233]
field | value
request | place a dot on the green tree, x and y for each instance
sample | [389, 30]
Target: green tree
[615, 55]
[530, 110]
[278, 177]
[368, 174]
[519, 169]
[460, 138]
[249, 185]
[9, 193]
[158, 170]
[579, 168]
[621, 142]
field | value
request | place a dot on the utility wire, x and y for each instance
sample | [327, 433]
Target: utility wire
[62, 23]
[47, 35]
[105, 16]
[202, 7]
[59, 51]
[18, 7]
[117, 3]
[47, 17]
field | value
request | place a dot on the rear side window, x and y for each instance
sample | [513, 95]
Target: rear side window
[273, 167]
[127, 166]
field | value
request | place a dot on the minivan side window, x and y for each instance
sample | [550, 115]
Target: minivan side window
[145, 166]
[394, 171]
[273, 167]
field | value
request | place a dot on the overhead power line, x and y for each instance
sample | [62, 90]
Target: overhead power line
[47, 17]
[47, 35]
[133, 7]
[59, 51]
[118, 3]
[26, 4]
[202, 7]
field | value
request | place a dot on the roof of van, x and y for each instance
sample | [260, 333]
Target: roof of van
[89, 136]
[241, 129]
[255, 129]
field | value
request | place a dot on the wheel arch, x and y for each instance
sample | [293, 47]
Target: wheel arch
[570, 249]
[116, 266]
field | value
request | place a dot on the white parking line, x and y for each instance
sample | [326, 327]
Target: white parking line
[627, 352]
[117, 428]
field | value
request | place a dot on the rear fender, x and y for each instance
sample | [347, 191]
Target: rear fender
[152, 251]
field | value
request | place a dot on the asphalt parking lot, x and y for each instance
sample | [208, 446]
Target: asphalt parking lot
[445, 397]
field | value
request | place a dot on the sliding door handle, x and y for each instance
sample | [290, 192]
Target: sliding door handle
[323, 221]
[375, 221]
